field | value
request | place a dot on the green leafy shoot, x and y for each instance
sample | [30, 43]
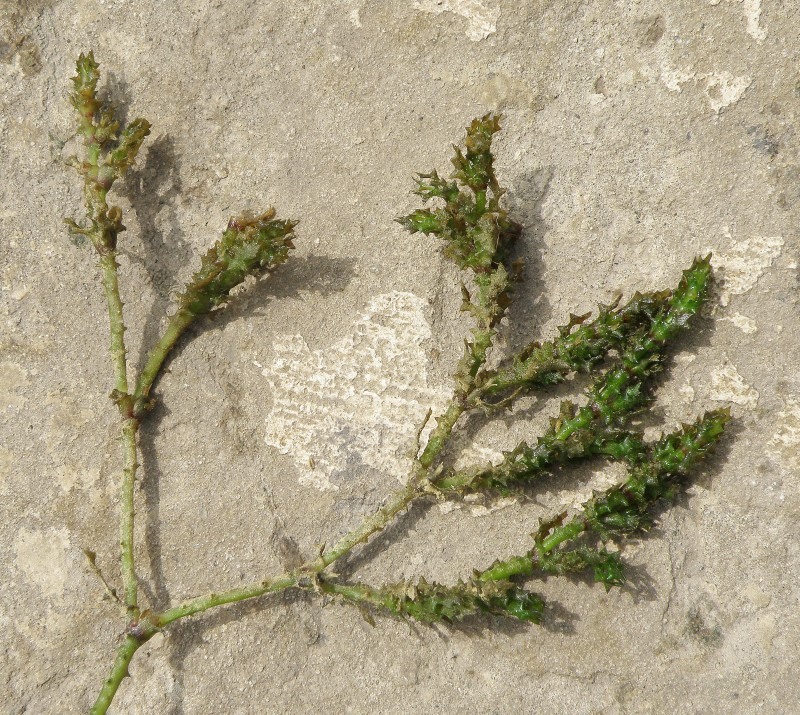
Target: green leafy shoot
[621, 349]
[249, 246]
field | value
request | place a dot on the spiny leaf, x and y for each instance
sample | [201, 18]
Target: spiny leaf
[476, 230]
[606, 566]
[580, 346]
[130, 141]
[433, 602]
[87, 75]
[625, 507]
[475, 167]
[249, 246]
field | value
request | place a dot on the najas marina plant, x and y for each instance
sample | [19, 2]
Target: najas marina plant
[620, 348]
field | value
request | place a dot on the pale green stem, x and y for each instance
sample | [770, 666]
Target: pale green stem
[358, 593]
[372, 524]
[508, 569]
[108, 262]
[155, 360]
[119, 672]
[470, 365]
[419, 481]
[130, 427]
[563, 533]
[234, 595]
[376, 522]
[441, 433]
[417, 485]
[304, 576]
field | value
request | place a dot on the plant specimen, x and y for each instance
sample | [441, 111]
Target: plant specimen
[621, 348]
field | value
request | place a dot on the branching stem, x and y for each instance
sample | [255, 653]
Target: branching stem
[119, 672]
[477, 233]
[178, 324]
[221, 598]
[130, 429]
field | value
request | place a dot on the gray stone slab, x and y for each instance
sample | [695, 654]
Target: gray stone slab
[637, 135]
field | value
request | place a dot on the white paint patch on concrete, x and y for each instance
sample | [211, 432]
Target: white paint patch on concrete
[482, 20]
[445, 507]
[355, 13]
[472, 454]
[727, 385]
[753, 593]
[674, 78]
[599, 482]
[19, 292]
[479, 510]
[746, 325]
[68, 477]
[357, 404]
[785, 443]
[721, 88]
[6, 460]
[744, 263]
[43, 556]
[556, 500]
[752, 16]
[13, 378]
[685, 358]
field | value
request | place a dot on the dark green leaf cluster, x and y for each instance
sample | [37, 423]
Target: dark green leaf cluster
[580, 346]
[639, 332]
[606, 566]
[622, 348]
[475, 167]
[626, 507]
[433, 602]
[249, 246]
[560, 545]
[477, 230]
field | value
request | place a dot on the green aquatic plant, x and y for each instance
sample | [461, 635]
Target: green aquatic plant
[621, 348]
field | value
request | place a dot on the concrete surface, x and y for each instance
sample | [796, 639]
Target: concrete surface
[637, 135]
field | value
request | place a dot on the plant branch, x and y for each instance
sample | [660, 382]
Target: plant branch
[248, 246]
[477, 234]
[109, 153]
[109, 265]
[433, 602]
[157, 356]
[221, 598]
[130, 428]
[91, 557]
[119, 672]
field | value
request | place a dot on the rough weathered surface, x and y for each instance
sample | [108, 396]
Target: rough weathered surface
[637, 135]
